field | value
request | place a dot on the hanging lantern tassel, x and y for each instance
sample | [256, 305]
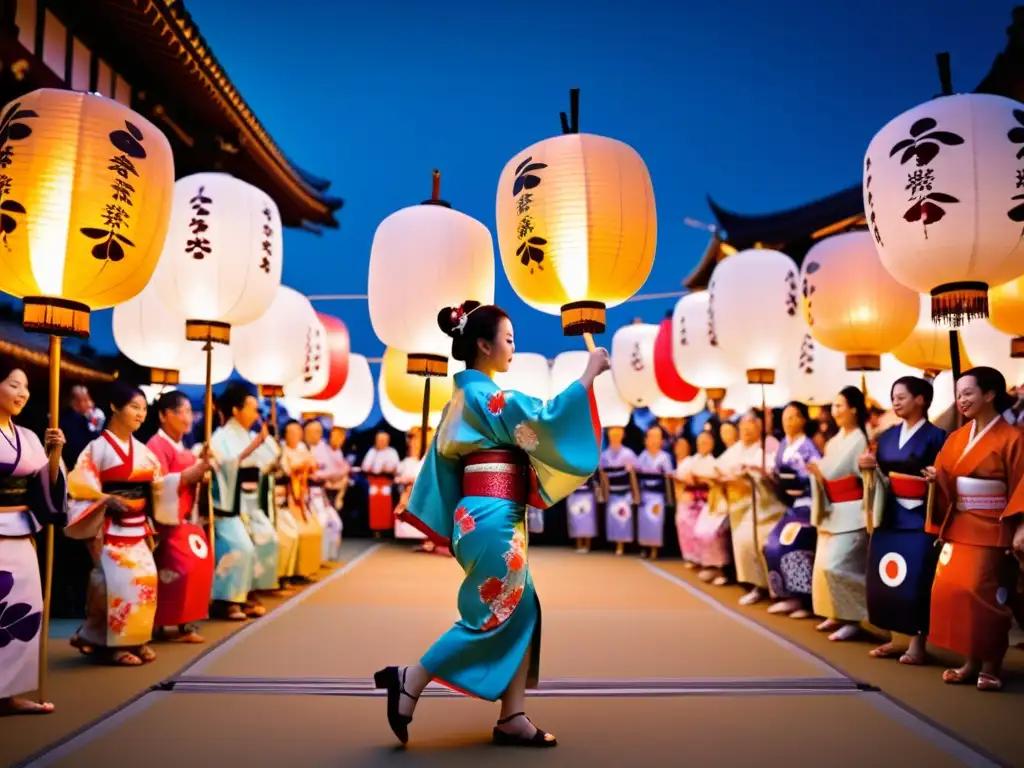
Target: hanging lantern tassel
[956, 304]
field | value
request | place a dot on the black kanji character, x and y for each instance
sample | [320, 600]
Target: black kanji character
[122, 166]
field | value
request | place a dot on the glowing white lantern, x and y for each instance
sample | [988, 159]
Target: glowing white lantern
[150, 335]
[192, 363]
[989, 347]
[271, 350]
[754, 312]
[567, 367]
[852, 304]
[350, 407]
[667, 408]
[632, 360]
[741, 396]
[944, 396]
[941, 195]
[221, 264]
[695, 350]
[529, 374]
[424, 258]
[819, 374]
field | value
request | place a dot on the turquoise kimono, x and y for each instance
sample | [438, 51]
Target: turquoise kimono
[500, 612]
[245, 540]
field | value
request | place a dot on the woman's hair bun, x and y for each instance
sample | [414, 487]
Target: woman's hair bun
[448, 317]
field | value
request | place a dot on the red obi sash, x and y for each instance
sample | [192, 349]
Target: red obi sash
[908, 487]
[849, 488]
[497, 474]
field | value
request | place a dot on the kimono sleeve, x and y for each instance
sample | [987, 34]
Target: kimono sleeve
[945, 484]
[1015, 475]
[47, 501]
[435, 495]
[85, 508]
[562, 437]
[166, 485]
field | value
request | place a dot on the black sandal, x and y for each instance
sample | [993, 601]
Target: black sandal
[389, 680]
[539, 739]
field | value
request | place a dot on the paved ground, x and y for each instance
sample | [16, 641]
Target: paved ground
[640, 666]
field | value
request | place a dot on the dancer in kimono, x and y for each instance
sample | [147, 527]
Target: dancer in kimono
[978, 470]
[245, 542]
[28, 501]
[789, 550]
[753, 507]
[330, 468]
[473, 492]
[837, 511]
[691, 494]
[712, 535]
[116, 486]
[654, 472]
[183, 559]
[901, 554]
[581, 515]
[616, 477]
[298, 464]
[408, 471]
[380, 465]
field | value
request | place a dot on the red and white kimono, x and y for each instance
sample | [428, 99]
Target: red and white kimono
[121, 604]
[380, 468]
[980, 500]
[183, 560]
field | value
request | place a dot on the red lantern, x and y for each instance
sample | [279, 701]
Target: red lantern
[669, 381]
[336, 347]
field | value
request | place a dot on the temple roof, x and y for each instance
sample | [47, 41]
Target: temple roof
[154, 51]
[795, 230]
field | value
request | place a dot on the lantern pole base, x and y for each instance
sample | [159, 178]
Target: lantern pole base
[426, 365]
[863, 362]
[765, 376]
[164, 376]
[580, 317]
[715, 393]
[270, 390]
[956, 304]
[1017, 347]
[208, 331]
[55, 316]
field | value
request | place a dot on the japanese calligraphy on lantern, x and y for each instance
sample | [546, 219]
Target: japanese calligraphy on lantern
[11, 129]
[198, 246]
[266, 245]
[531, 243]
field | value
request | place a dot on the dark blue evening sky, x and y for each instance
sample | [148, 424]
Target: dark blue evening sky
[762, 105]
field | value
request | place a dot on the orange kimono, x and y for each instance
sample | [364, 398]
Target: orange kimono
[980, 498]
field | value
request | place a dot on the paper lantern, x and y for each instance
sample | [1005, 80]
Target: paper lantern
[270, 350]
[698, 357]
[941, 195]
[352, 406]
[221, 264]
[819, 373]
[989, 347]
[670, 383]
[332, 366]
[754, 312]
[927, 346]
[85, 195]
[192, 363]
[150, 335]
[577, 226]
[405, 390]
[632, 364]
[529, 373]
[944, 395]
[1006, 311]
[852, 304]
[400, 419]
[667, 408]
[424, 258]
[611, 408]
[741, 396]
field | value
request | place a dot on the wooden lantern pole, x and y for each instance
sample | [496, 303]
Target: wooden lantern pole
[208, 434]
[44, 638]
[868, 476]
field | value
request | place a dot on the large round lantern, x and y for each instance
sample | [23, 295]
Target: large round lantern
[754, 312]
[667, 408]
[423, 258]
[150, 335]
[741, 396]
[1006, 308]
[577, 226]
[672, 385]
[405, 390]
[942, 200]
[698, 356]
[852, 304]
[632, 364]
[192, 363]
[352, 406]
[85, 196]
[927, 346]
[529, 373]
[818, 375]
[270, 351]
[330, 370]
[400, 419]
[567, 367]
[989, 347]
[221, 264]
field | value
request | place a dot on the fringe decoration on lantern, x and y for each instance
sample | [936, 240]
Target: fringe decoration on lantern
[956, 304]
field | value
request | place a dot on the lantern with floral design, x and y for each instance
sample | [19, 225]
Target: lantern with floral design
[529, 373]
[818, 375]
[697, 355]
[567, 367]
[958, 160]
[927, 347]
[852, 304]
[577, 225]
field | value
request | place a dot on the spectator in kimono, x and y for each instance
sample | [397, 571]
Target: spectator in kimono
[728, 433]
